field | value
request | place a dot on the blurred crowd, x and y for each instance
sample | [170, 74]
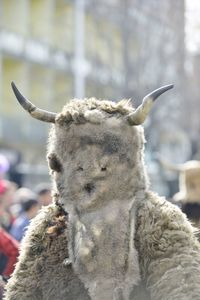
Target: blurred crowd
[17, 207]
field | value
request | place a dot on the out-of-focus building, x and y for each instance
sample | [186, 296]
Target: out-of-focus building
[35, 49]
[192, 63]
[36, 45]
[56, 50]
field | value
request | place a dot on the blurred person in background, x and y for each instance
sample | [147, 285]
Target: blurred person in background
[4, 166]
[14, 173]
[20, 197]
[43, 192]
[9, 250]
[30, 207]
[7, 192]
[188, 196]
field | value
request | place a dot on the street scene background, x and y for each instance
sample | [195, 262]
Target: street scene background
[57, 50]
[113, 49]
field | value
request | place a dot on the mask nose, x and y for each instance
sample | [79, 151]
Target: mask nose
[89, 188]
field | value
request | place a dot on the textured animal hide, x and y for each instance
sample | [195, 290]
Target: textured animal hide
[118, 241]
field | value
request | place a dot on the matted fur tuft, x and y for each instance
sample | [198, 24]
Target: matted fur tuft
[77, 110]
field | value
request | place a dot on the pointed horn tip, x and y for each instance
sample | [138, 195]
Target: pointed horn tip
[26, 104]
[35, 112]
[156, 93]
[165, 88]
[16, 91]
[168, 86]
[13, 85]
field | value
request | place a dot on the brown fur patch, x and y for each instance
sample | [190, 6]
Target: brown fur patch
[54, 162]
[58, 224]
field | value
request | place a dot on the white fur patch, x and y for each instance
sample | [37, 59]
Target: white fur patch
[94, 116]
[108, 265]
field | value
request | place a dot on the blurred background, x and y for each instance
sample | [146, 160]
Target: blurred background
[56, 50]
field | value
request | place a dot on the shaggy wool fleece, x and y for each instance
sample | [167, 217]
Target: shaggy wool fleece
[106, 236]
[169, 256]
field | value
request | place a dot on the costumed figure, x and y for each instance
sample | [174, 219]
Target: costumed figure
[106, 235]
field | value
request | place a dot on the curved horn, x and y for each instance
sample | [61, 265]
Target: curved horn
[140, 114]
[35, 112]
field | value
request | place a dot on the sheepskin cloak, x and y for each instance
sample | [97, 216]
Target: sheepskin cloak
[106, 237]
[169, 257]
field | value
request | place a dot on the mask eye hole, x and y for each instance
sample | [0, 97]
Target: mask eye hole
[79, 169]
[103, 169]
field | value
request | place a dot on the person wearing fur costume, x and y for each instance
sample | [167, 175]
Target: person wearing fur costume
[106, 236]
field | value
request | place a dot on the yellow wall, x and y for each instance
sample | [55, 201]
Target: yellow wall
[15, 16]
[12, 70]
[41, 19]
[63, 25]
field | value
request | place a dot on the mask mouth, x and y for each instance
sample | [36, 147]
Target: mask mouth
[89, 188]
